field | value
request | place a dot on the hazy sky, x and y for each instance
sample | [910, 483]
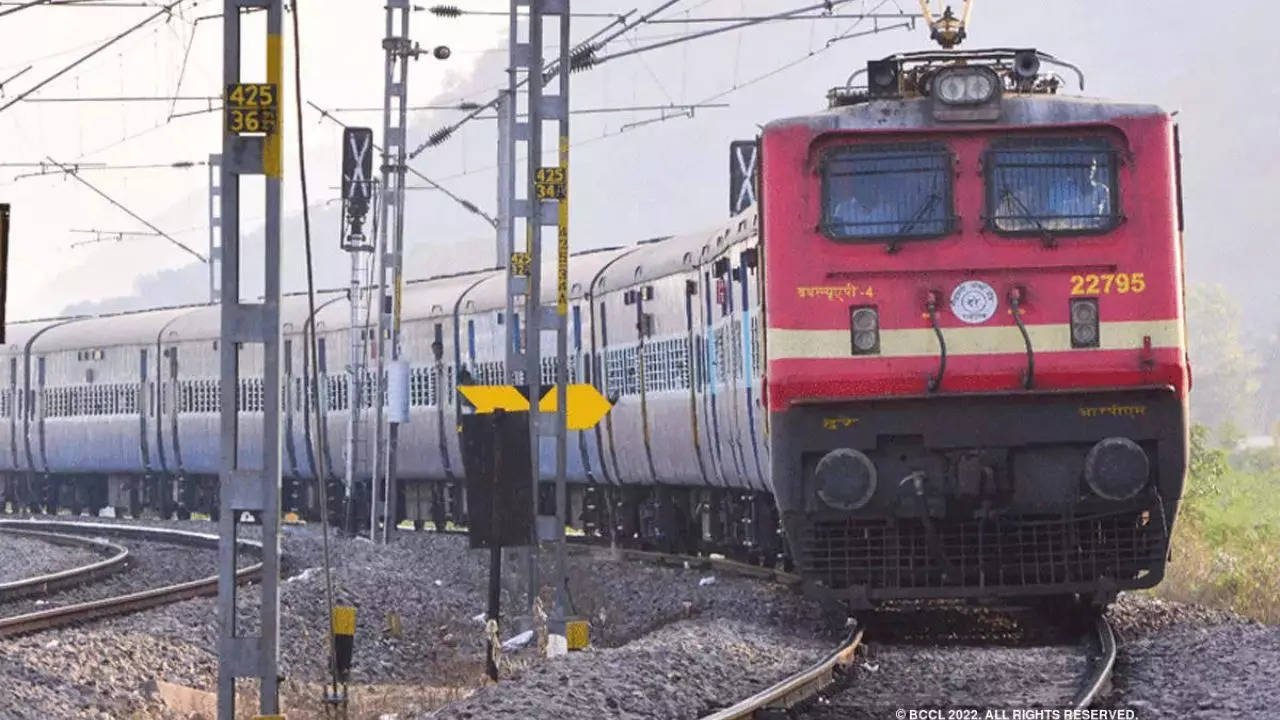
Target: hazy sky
[1211, 64]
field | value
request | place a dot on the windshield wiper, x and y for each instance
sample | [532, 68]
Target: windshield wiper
[1046, 237]
[925, 207]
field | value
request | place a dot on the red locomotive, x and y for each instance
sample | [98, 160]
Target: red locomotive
[976, 356]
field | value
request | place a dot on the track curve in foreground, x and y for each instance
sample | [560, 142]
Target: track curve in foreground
[129, 602]
[1102, 666]
[797, 688]
[811, 681]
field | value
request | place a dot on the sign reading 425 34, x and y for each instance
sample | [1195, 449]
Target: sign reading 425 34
[252, 108]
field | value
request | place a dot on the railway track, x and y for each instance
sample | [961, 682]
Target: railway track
[806, 687]
[76, 613]
[116, 559]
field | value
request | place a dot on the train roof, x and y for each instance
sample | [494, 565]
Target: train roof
[914, 113]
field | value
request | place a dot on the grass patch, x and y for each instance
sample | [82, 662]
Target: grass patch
[1226, 545]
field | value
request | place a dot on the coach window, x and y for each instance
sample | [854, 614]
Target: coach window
[875, 192]
[1052, 186]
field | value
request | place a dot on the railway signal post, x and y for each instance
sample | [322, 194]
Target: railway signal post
[357, 187]
[545, 204]
[251, 145]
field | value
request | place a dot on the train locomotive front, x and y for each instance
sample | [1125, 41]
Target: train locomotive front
[975, 343]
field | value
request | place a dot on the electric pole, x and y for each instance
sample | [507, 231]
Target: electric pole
[399, 50]
[251, 145]
[545, 204]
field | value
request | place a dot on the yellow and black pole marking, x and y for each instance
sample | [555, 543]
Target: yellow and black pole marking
[344, 640]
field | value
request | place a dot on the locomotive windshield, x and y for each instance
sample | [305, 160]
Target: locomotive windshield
[887, 192]
[1052, 186]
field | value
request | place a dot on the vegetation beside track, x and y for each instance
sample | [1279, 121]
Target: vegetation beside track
[1226, 543]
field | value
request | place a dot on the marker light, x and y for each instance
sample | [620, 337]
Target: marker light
[1084, 323]
[864, 324]
[965, 85]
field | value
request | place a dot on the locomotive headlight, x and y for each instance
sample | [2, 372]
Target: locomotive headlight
[1084, 322]
[846, 479]
[1117, 468]
[965, 85]
[864, 323]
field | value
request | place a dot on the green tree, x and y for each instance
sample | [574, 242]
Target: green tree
[1223, 371]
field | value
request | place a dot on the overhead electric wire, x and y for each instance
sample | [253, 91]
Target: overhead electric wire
[180, 165]
[466, 204]
[585, 53]
[132, 214]
[842, 35]
[578, 111]
[549, 72]
[74, 4]
[312, 348]
[125, 98]
[119, 36]
[13, 77]
[827, 4]
[824, 16]
[22, 6]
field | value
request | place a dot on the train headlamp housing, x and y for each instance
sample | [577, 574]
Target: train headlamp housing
[1084, 323]
[864, 329]
[965, 93]
[1117, 468]
[846, 479]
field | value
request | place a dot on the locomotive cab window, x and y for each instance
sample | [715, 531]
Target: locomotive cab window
[1052, 186]
[887, 191]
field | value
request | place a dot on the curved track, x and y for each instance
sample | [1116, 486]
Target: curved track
[130, 602]
[810, 682]
[117, 558]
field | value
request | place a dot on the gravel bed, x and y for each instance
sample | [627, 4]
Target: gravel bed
[684, 670]
[431, 583]
[1182, 661]
[151, 565]
[664, 645]
[26, 557]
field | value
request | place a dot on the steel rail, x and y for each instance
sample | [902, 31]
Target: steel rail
[1102, 666]
[795, 689]
[116, 560]
[130, 602]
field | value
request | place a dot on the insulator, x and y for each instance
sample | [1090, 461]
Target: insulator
[451, 11]
[439, 136]
[470, 207]
[466, 105]
[583, 58]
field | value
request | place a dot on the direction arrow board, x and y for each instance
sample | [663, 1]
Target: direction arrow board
[586, 406]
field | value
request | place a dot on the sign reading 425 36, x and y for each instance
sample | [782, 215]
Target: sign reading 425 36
[252, 108]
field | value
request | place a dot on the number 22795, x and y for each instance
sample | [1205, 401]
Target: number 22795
[1106, 283]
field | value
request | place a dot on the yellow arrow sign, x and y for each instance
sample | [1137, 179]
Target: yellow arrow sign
[488, 398]
[586, 406]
